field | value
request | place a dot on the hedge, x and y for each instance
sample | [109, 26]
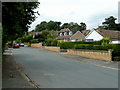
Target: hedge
[85, 42]
[66, 45]
[34, 41]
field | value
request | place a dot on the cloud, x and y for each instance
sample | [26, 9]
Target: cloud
[91, 12]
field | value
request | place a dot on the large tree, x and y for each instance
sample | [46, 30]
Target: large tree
[110, 24]
[42, 26]
[16, 18]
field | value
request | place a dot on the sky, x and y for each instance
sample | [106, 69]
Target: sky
[91, 12]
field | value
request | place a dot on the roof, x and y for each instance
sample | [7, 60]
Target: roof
[112, 34]
[86, 32]
[64, 37]
[65, 30]
[78, 35]
[34, 33]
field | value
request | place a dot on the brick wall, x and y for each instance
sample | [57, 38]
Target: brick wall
[37, 45]
[103, 55]
[52, 48]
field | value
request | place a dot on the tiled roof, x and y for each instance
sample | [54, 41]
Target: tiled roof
[64, 37]
[86, 32]
[112, 34]
[65, 30]
[78, 35]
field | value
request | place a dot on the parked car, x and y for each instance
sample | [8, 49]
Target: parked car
[16, 46]
[21, 44]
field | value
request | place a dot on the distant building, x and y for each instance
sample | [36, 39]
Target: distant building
[64, 34]
[97, 35]
[34, 34]
[67, 35]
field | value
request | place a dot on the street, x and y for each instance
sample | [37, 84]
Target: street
[52, 70]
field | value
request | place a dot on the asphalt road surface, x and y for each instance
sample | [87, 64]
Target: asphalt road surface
[51, 70]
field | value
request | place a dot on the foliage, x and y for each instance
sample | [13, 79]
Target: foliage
[42, 26]
[91, 42]
[24, 39]
[17, 16]
[110, 24]
[51, 25]
[50, 41]
[65, 45]
[54, 25]
[45, 33]
[83, 46]
[34, 40]
[105, 41]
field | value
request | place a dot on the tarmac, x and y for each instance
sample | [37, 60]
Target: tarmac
[11, 77]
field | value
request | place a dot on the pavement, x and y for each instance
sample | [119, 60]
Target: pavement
[59, 70]
[11, 77]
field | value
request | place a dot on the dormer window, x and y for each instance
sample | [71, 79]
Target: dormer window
[61, 34]
[70, 33]
[65, 33]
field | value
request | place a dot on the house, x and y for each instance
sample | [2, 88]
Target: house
[34, 34]
[64, 34]
[97, 35]
[78, 36]
[67, 35]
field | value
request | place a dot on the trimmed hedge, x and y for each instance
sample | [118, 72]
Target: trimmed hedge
[66, 45]
[84, 42]
[34, 41]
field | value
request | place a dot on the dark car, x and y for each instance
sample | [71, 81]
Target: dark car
[16, 45]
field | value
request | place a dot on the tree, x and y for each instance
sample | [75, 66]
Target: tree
[83, 26]
[45, 33]
[65, 25]
[110, 23]
[17, 16]
[42, 26]
[51, 25]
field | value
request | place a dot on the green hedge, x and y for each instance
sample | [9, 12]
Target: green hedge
[50, 42]
[83, 46]
[34, 41]
[84, 42]
[66, 45]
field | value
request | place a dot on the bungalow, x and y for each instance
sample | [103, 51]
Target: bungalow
[67, 35]
[78, 36]
[96, 35]
[64, 34]
[34, 34]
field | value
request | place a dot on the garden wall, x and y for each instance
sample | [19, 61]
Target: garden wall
[52, 48]
[97, 54]
[37, 45]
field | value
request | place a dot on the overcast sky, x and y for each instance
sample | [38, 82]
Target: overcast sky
[91, 12]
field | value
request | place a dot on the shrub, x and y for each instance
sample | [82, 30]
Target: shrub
[99, 47]
[66, 45]
[105, 41]
[34, 40]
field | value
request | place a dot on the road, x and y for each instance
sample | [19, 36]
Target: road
[52, 70]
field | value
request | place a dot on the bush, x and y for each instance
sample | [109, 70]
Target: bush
[50, 42]
[34, 41]
[66, 45]
[85, 42]
[99, 47]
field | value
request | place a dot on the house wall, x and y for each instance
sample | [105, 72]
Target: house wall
[94, 35]
[116, 42]
[102, 55]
